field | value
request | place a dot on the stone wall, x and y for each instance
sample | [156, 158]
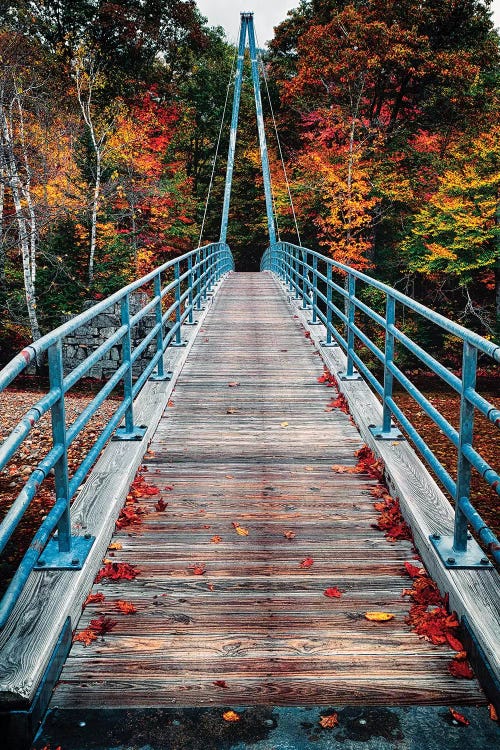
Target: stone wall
[78, 345]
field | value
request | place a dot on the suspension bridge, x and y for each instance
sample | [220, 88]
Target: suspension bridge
[254, 579]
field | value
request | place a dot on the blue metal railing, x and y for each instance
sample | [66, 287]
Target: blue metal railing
[187, 280]
[311, 276]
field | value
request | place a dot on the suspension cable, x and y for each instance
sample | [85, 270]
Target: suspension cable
[281, 154]
[231, 75]
[273, 199]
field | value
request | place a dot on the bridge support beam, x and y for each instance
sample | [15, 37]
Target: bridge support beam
[248, 27]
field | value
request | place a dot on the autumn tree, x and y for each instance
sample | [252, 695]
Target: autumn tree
[362, 83]
[456, 233]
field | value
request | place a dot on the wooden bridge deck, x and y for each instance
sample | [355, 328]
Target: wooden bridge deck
[259, 455]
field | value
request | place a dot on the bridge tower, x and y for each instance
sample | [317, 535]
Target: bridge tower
[248, 27]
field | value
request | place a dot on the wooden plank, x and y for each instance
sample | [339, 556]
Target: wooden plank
[256, 619]
[373, 690]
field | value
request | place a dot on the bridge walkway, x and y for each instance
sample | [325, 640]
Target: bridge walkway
[242, 456]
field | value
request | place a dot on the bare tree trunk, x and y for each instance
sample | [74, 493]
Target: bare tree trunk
[26, 191]
[14, 182]
[2, 202]
[85, 82]
[93, 220]
[496, 269]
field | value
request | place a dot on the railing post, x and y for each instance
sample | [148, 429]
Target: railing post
[160, 374]
[305, 286]
[66, 552]
[58, 417]
[190, 300]
[130, 431]
[198, 281]
[329, 314]
[314, 320]
[210, 266]
[178, 333]
[460, 550]
[350, 373]
[466, 434]
[289, 267]
[387, 431]
[203, 272]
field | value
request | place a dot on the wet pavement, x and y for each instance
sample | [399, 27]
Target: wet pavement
[268, 728]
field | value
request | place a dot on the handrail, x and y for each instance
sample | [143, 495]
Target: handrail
[187, 280]
[311, 276]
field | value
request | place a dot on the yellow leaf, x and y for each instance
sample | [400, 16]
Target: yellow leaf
[284, 424]
[115, 545]
[231, 716]
[241, 531]
[379, 616]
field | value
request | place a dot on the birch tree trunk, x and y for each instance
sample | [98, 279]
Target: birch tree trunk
[93, 220]
[2, 201]
[85, 79]
[26, 191]
[14, 183]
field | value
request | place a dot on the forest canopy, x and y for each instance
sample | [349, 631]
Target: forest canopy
[110, 113]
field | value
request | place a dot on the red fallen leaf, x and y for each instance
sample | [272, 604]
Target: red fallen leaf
[412, 570]
[461, 669]
[199, 569]
[220, 683]
[432, 624]
[168, 488]
[340, 402]
[206, 526]
[455, 644]
[369, 464]
[130, 515]
[332, 592]
[379, 491]
[85, 636]
[102, 625]
[459, 718]
[233, 384]
[391, 520]
[216, 539]
[117, 571]
[160, 505]
[327, 378]
[307, 562]
[425, 591]
[493, 712]
[170, 402]
[94, 598]
[330, 721]
[289, 534]
[210, 586]
[126, 607]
